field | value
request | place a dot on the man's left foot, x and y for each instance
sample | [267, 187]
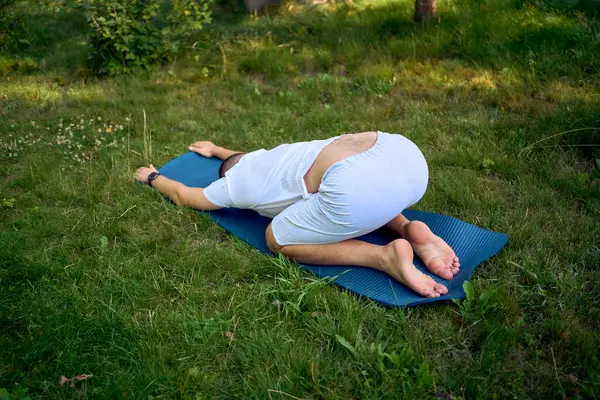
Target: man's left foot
[435, 253]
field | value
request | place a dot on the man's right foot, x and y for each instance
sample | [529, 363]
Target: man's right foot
[399, 264]
[435, 253]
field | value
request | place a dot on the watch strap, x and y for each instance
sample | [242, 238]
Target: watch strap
[152, 176]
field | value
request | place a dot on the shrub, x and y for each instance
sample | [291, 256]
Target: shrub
[10, 23]
[128, 35]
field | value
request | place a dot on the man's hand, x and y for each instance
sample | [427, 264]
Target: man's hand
[141, 175]
[206, 149]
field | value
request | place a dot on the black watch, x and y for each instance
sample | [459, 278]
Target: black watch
[152, 176]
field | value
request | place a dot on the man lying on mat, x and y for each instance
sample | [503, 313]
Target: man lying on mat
[323, 194]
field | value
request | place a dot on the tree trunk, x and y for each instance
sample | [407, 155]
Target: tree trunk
[424, 10]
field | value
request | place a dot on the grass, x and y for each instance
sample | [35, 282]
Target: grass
[100, 276]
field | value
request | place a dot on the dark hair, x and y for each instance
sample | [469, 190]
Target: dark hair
[229, 162]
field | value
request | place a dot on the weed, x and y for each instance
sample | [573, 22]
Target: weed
[8, 203]
[474, 308]
[291, 288]
[18, 394]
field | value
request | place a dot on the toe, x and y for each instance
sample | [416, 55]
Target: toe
[440, 289]
[438, 267]
[428, 287]
[445, 273]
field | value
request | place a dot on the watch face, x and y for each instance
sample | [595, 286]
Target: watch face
[152, 176]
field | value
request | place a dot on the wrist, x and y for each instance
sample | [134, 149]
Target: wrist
[152, 176]
[217, 151]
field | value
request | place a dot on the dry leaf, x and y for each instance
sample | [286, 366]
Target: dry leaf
[80, 377]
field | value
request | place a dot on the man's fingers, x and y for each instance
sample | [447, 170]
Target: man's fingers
[200, 144]
[139, 173]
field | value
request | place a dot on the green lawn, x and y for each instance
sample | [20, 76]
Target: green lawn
[101, 276]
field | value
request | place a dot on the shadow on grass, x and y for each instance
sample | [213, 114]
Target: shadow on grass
[547, 41]
[47, 39]
[497, 34]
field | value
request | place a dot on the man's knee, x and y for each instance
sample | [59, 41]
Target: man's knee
[271, 242]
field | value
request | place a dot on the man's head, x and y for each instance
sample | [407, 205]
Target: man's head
[229, 162]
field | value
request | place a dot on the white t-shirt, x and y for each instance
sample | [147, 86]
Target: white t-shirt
[267, 181]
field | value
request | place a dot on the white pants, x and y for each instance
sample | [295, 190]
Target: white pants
[357, 195]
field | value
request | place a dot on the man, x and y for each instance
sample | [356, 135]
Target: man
[323, 194]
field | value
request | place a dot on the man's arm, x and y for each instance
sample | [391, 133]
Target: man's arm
[175, 191]
[209, 149]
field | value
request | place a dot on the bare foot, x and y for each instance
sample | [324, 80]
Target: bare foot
[399, 264]
[438, 257]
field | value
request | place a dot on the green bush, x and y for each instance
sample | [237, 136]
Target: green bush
[128, 35]
[10, 23]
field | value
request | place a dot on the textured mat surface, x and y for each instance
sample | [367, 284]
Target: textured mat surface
[472, 244]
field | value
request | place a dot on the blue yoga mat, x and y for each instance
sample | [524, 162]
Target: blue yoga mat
[473, 245]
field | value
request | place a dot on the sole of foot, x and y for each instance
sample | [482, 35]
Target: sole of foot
[435, 253]
[400, 266]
